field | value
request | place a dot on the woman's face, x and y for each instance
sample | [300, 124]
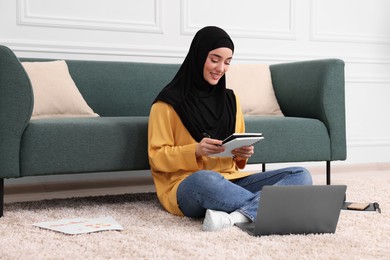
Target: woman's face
[216, 64]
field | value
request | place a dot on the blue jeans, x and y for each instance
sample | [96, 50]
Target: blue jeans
[210, 190]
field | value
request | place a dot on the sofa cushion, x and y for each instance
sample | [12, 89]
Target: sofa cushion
[252, 83]
[289, 139]
[55, 93]
[76, 145]
[120, 143]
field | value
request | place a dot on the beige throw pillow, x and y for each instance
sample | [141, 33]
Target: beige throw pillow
[55, 93]
[252, 83]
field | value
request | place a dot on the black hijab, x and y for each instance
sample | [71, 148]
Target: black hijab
[202, 107]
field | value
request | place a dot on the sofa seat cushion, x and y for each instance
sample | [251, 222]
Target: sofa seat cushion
[289, 139]
[65, 145]
[76, 145]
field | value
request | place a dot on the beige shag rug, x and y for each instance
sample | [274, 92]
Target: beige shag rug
[151, 233]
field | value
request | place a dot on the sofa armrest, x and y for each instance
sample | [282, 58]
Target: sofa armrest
[314, 89]
[16, 105]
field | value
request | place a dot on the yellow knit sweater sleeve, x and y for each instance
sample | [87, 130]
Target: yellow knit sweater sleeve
[171, 148]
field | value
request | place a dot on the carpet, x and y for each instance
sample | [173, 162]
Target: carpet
[151, 233]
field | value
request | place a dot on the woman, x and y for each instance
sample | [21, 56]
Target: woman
[187, 122]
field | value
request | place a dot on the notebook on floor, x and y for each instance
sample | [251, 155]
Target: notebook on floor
[297, 210]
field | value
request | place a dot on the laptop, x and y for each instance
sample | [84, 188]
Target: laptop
[298, 209]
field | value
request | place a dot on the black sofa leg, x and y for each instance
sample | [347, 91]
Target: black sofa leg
[263, 167]
[327, 172]
[1, 196]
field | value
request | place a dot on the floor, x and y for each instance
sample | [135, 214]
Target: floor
[80, 185]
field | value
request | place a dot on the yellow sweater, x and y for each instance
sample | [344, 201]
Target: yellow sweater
[172, 157]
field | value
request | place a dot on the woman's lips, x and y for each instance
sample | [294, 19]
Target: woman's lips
[216, 75]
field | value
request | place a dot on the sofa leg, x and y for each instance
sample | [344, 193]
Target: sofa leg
[263, 167]
[1, 196]
[327, 172]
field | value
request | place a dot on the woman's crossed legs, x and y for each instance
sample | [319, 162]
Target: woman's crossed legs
[209, 190]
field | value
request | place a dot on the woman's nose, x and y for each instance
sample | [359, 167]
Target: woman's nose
[220, 67]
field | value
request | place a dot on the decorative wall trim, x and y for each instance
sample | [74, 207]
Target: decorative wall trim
[317, 35]
[94, 49]
[342, 37]
[368, 142]
[38, 46]
[27, 18]
[241, 32]
[371, 80]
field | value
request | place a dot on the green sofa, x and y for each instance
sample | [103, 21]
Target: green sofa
[310, 94]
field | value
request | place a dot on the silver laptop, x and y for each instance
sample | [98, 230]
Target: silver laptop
[297, 210]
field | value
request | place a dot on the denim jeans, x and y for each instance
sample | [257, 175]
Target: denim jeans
[210, 190]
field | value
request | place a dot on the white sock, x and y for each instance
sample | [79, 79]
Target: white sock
[216, 220]
[239, 217]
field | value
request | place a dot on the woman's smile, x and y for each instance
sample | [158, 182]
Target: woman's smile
[216, 76]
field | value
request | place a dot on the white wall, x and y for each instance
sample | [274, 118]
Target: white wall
[357, 31]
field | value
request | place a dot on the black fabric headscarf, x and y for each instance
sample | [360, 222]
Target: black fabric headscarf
[202, 107]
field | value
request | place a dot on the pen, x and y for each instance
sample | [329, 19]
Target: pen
[206, 135]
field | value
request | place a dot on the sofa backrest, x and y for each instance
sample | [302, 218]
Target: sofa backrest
[119, 88]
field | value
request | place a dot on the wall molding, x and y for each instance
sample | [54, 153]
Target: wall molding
[38, 46]
[26, 18]
[317, 35]
[188, 28]
[368, 142]
[342, 37]
[370, 80]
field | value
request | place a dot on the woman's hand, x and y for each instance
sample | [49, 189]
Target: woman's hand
[244, 152]
[208, 146]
